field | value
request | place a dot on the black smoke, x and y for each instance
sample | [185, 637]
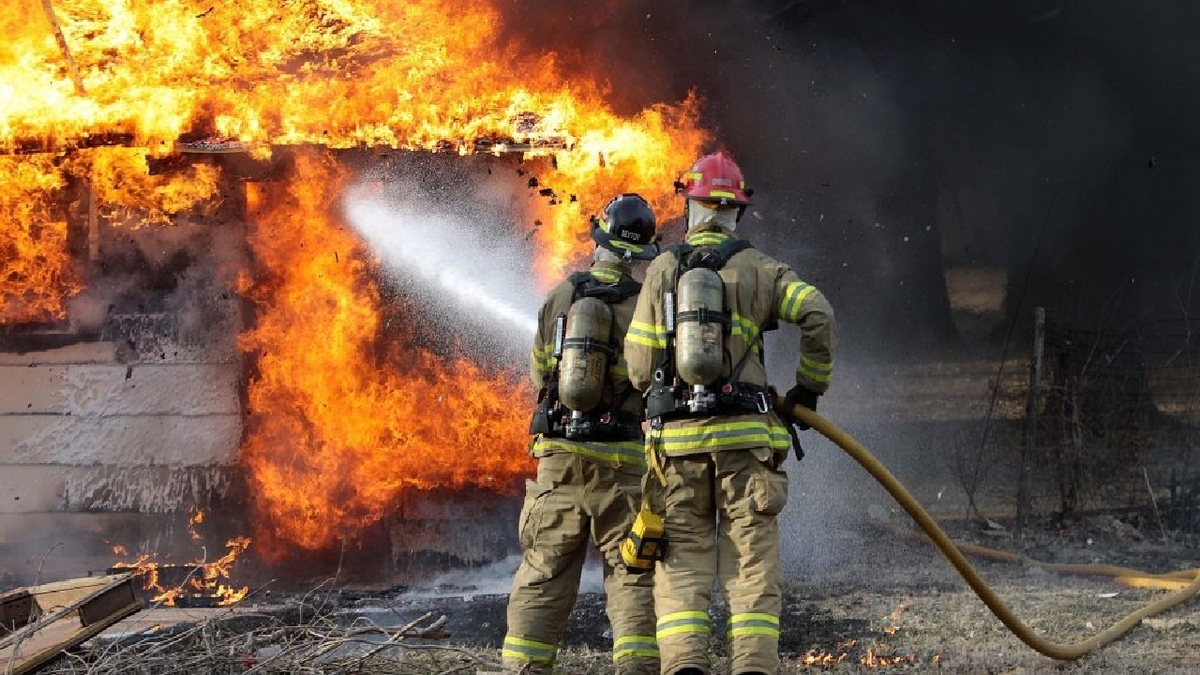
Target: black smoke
[887, 141]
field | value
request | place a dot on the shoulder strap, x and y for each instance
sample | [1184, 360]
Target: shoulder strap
[712, 257]
[587, 286]
[731, 247]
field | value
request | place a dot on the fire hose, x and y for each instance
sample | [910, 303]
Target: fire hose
[953, 553]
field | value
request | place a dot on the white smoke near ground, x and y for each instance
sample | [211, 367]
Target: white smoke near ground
[496, 579]
[475, 279]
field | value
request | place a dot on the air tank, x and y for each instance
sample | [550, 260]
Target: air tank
[699, 339]
[585, 354]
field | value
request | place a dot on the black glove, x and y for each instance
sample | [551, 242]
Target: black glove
[799, 395]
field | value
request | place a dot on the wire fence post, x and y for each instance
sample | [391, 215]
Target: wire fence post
[1031, 414]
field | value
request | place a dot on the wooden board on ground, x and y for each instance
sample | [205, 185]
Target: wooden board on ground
[38, 623]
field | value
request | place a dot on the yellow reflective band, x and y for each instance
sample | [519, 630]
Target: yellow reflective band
[789, 308]
[608, 276]
[721, 193]
[754, 623]
[543, 355]
[817, 371]
[780, 439]
[528, 650]
[744, 327]
[686, 440]
[707, 238]
[621, 243]
[681, 623]
[647, 335]
[635, 645]
[624, 453]
[620, 371]
[754, 630]
[815, 365]
[759, 617]
[713, 436]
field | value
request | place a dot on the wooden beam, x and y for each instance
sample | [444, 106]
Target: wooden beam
[63, 615]
[62, 45]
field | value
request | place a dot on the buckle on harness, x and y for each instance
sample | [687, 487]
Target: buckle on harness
[761, 399]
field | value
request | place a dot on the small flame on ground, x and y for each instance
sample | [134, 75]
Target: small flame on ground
[876, 655]
[209, 580]
[893, 619]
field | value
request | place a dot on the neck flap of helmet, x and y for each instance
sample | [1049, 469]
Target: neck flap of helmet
[701, 215]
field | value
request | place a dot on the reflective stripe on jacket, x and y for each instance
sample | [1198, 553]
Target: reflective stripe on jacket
[542, 362]
[759, 293]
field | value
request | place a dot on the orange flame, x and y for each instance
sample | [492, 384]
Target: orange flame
[37, 275]
[337, 433]
[870, 658]
[204, 579]
[127, 195]
[339, 426]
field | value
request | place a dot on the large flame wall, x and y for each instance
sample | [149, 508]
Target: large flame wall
[342, 421]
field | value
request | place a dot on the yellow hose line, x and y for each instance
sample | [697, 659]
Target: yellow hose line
[1146, 581]
[1123, 575]
[956, 558]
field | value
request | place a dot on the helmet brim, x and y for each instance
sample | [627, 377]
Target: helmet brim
[623, 248]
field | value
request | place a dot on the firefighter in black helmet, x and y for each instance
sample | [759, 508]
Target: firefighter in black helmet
[588, 440]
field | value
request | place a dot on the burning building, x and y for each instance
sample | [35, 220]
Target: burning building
[216, 228]
[192, 320]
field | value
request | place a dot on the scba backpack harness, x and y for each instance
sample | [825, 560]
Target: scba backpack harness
[570, 406]
[687, 378]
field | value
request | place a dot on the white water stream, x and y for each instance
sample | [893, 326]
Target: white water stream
[480, 274]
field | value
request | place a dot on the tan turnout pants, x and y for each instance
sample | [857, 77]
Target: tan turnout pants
[575, 499]
[720, 513]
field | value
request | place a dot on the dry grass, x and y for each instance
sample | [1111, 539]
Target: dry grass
[899, 608]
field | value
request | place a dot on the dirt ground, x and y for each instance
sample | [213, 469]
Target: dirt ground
[890, 604]
[878, 598]
[901, 607]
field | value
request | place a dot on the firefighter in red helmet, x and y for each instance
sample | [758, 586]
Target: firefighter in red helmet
[715, 182]
[591, 456]
[714, 443]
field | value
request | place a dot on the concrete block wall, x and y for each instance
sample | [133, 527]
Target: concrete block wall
[105, 444]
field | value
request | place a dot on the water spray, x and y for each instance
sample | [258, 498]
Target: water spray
[480, 275]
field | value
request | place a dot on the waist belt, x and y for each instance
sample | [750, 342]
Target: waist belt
[678, 401]
[743, 397]
[597, 425]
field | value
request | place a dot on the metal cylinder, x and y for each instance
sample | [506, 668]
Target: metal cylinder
[585, 354]
[699, 339]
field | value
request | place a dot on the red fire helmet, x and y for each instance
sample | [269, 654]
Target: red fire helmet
[715, 178]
